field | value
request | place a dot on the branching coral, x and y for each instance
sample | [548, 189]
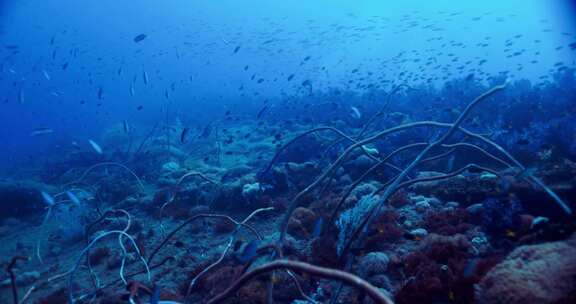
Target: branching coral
[71, 298]
[226, 250]
[10, 271]
[171, 197]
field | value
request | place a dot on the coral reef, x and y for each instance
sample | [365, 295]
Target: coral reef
[376, 211]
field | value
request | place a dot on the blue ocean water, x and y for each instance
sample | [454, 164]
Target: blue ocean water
[159, 111]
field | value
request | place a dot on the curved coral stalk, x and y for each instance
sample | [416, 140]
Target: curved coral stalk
[107, 164]
[87, 248]
[322, 272]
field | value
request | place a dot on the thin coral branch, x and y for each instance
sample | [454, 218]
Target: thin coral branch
[327, 273]
[299, 287]
[311, 131]
[193, 174]
[370, 170]
[86, 236]
[382, 109]
[79, 180]
[130, 275]
[172, 198]
[226, 250]
[194, 218]
[71, 299]
[27, 294]
[441, 176]
[145, 140]
[10, 271]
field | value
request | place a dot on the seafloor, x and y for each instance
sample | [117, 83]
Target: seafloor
[475, 209]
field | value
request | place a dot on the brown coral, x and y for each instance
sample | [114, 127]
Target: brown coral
[544, 273]
[301, 222]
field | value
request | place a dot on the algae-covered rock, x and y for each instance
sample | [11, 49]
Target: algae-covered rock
[18, 199]
[544, 273]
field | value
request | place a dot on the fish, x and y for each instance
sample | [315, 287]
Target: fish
[370, 150]
[48, 199]
[126, 126]
[145, 77]
[73, 198]
[100, 93]
[236, 49]
[355, 113]
[65, 66]
[249, 251]
[184, 134]
[95, 146]
[206, 131]
[139, 108]
[41, 131]
[262, 111]
[131, 90]
[46, 75]
[140, 37]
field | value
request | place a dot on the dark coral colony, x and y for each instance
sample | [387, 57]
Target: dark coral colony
[454, 189]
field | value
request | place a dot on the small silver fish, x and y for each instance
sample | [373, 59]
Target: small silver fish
[95, 146]
[48, 199]
[73, 198]
[41, 131]
[126, 127]
[46, 75]
[355, 113]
